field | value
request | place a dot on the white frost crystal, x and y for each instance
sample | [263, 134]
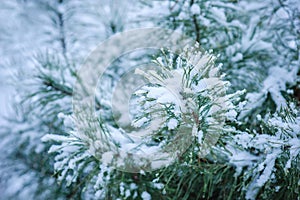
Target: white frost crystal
[146, 196]
[195, 9]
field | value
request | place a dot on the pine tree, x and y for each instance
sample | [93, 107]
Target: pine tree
[48, 39]
[248, 99]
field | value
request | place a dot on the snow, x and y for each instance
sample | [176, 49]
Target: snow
[61, 115]
[277, 80]
[270, 160]
[200, 136]
[172, 124]
[54, 137]
[195, 9]
[240, 159]
[146, 196]
[133, 186]
[258, 117]
[122, 188]
[107, 157]
[140, 122]
[219, 15]
[269, 163]
[127, 193]
[162, 160]
[158, 185]
[231, 114]
[271, 148]
[201, 86]
[237, 57]
[294, 151]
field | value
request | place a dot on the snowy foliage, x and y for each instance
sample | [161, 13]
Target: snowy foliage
[254, 144]
[258, 153]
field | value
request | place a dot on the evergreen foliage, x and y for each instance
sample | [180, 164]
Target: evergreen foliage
[251, 104]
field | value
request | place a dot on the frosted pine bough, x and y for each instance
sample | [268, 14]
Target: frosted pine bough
[255, 155]
[185, 101]
[263, 158]
[198, 102]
